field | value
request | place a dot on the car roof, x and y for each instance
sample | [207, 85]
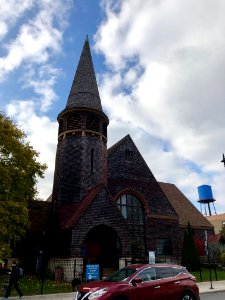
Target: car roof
[138, 266]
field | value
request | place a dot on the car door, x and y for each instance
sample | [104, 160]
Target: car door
[170, 286]
[149, 288]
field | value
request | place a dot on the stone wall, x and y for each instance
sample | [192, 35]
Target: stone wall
[73, 174]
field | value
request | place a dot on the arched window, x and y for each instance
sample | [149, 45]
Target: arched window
[74, 122]
[92, 123]
[133, 211]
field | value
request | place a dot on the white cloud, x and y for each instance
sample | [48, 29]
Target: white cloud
[43, 82]
[178, 97]
[38, 38]
[10, 12]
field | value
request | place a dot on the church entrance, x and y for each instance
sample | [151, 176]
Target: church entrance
[102, 246]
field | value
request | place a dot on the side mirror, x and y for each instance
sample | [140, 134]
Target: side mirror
[136, 280]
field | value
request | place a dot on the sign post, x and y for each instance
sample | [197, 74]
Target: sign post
[151, 257]
[92, 272]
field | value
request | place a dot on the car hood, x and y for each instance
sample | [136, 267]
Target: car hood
[96, 285]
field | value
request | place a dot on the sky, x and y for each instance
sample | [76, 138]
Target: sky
[160, 68]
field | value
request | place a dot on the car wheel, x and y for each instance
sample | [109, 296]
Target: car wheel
[187, 296]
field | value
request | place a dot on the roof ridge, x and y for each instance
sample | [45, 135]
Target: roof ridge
[181, 204]
[86, 201]
[117, 144]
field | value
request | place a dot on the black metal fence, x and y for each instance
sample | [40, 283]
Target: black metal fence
[210, 272]
[60, 276]
[63, 276]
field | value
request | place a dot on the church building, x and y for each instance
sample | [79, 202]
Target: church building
[107, 204]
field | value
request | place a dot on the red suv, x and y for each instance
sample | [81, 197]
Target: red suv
[143, 282]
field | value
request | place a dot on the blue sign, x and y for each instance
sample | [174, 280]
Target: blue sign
[92, 272]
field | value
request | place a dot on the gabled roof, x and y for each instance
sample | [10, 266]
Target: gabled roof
[69, 214]
[116, 145]
[127, 170]
[84, 91]
[186, 211]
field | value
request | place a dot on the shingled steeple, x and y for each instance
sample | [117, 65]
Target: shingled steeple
[81, 159]
[84, 91]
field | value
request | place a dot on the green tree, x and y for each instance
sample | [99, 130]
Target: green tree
[190, 257]
[19, 170]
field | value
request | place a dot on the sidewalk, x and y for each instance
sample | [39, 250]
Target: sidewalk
[69, 296]
[204, 287]
[217, 286]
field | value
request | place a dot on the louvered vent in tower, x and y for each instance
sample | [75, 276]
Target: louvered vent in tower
[104, 129]
[74, 122]
[92, 123]
[60, 126]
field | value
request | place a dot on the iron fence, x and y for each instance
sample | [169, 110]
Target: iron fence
[60, 276]
[63, 276]
[210, 272]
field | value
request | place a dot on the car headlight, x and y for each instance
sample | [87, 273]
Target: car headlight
[97, 294]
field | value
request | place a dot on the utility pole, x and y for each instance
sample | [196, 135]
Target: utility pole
[209, 264]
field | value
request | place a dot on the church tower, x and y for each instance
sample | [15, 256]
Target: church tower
[81, 158]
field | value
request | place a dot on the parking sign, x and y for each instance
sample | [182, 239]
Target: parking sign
[92, 272]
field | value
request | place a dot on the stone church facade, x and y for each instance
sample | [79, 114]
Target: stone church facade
[107, 204]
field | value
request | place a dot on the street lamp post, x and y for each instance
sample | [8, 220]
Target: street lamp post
[223, 160]
[209, 264]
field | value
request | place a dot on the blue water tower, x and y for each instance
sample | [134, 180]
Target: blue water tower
[206, 198]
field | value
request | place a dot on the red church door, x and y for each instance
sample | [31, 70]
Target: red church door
[102, 247]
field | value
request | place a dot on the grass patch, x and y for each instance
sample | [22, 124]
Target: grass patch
[32, 286]
[205, 272]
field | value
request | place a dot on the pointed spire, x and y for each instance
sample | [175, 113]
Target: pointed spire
[84, 90]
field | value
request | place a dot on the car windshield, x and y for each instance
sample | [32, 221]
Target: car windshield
[121, 275]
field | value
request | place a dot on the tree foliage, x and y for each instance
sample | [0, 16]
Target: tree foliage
[19, 170]
[190, 257]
